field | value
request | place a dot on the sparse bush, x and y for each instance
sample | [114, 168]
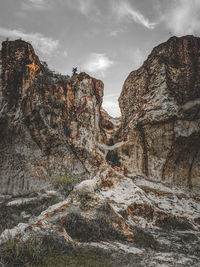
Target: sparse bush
[16, 253]
[10, 216]
[145, 240]
[59, 78]
[48, 251]
[33, 251]
[174, 223]
[65, 183]
[86, 229]
[84, 197]
[49, 77]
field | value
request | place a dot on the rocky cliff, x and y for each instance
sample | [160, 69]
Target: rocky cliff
[49, 123]
[160, 105]
[138, 176]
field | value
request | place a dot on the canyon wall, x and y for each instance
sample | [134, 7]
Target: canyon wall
[49, 123]
[52, 124]
[160, 105]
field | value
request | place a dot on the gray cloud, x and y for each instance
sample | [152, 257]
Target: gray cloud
[123, 9]
[35, 4]
[44, 44]
[183, 17]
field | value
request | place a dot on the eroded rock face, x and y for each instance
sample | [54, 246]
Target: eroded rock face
[49, 124]
[160, 105]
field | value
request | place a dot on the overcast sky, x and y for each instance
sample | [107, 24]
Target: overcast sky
[106, 38]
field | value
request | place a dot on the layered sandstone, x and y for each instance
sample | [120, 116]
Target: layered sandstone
[160, 105]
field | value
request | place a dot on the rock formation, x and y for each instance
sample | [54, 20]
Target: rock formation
[49, 123]
[160, 105]
[140, 170]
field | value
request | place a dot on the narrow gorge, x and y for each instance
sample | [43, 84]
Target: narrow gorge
[134, 180]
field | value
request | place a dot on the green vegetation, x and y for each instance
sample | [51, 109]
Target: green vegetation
[145, 240]
[65, 183]
[84, 197]
[175, 223]
[75, 259]
[92, 229]
[10, 216]
[15, 253]
[49, 77]
[50, 252]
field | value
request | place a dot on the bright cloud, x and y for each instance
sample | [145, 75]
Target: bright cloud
[112, 107]
[98, 64]
[123, 9]
[183, 17]
[35, 4]
[44, 44]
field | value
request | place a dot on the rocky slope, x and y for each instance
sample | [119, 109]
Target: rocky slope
[138, 175]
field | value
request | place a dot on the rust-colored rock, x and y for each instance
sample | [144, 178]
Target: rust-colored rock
[49, 122]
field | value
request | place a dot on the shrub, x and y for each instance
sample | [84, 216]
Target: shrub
[65, 183]
[32, 252]
[16, 253]
[49, 251]
[174, 223]
[145, 240]
[84, 197]
[49, 77]
[88, 230]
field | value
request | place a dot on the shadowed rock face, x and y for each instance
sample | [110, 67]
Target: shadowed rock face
[48, 126]
[160, 105]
